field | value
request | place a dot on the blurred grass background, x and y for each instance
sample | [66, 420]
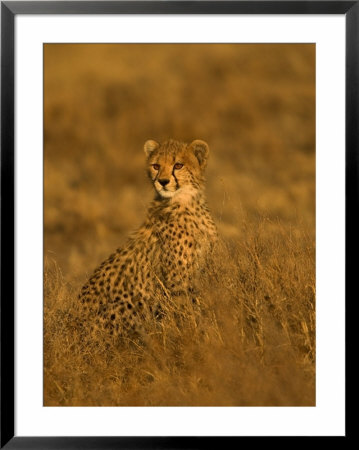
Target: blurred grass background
[255, 106]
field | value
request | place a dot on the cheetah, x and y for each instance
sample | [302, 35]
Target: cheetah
[164, 255]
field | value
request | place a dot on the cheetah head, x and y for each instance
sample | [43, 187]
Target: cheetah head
[175, 168]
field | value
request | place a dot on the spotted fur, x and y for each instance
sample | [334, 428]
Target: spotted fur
[164, 255]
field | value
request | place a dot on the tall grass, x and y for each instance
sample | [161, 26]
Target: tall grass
[250, 340]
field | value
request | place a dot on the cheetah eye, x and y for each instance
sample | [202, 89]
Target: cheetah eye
[178, 166]
[156, 166]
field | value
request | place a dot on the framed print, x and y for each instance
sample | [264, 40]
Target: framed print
[179, 184]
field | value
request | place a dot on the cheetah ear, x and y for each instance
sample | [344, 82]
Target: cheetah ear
[150, 146]
[200, 150]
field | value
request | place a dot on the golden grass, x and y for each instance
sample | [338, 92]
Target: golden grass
[251, 341]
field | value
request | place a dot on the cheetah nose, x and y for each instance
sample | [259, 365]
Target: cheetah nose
[164, 181]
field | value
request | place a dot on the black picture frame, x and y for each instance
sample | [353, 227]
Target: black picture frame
[9, 10]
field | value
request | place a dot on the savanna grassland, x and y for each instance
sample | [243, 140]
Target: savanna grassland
[253, 341]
